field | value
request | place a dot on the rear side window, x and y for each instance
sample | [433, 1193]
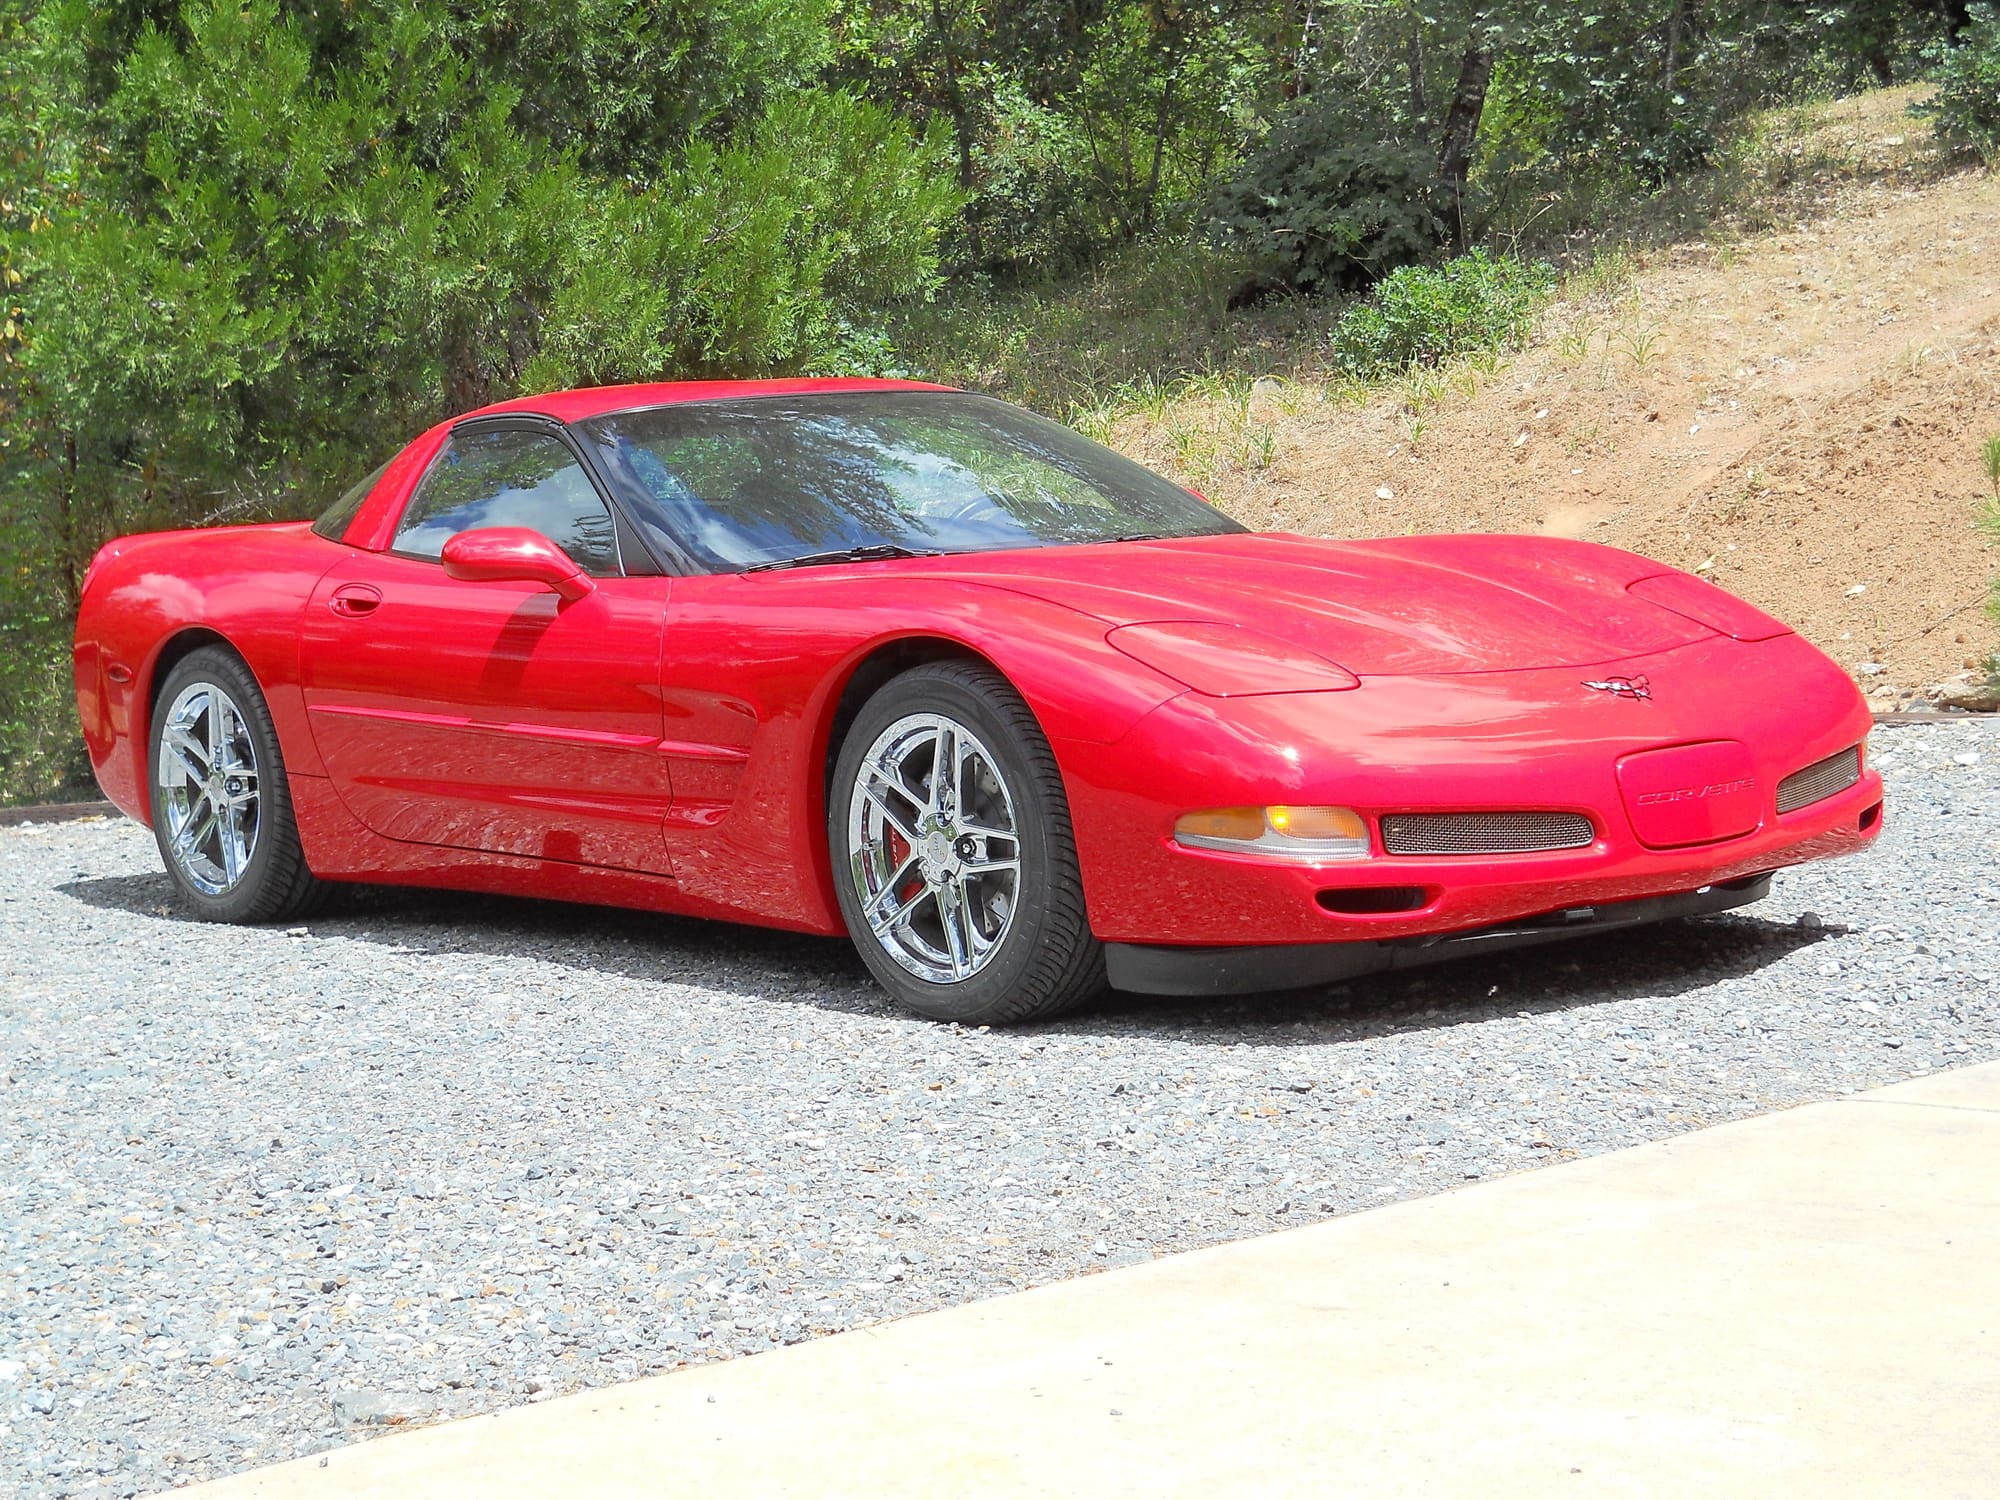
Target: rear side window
[337, 517]
[510, 477]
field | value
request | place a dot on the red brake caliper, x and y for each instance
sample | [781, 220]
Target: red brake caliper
[899, 850]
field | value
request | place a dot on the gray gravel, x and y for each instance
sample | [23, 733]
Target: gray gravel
[262, 1191]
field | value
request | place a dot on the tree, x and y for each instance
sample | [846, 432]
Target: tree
[1461, 129]
[266, 238]
[1078, 124]
[251, 244]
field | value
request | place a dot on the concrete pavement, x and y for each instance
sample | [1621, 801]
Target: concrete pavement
[1807, 1303]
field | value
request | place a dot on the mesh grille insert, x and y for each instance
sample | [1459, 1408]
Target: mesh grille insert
[1820, 780]
[1484, 833]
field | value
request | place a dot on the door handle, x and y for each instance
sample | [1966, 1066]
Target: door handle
[355, 600]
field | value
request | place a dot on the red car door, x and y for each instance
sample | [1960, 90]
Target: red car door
[493, 715]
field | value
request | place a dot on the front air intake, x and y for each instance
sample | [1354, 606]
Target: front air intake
[1820, 780]
[1484, 833]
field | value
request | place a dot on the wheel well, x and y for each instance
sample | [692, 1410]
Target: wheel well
[867, 679]
[179, 645]
[182, 645]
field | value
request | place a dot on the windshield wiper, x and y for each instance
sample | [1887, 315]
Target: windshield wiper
[1138, 536]
[872, 552]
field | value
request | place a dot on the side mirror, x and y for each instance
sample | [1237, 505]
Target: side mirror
[515, 554]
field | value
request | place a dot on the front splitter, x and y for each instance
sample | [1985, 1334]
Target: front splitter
[1163, 969]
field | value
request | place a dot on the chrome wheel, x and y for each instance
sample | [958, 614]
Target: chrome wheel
[936, 861]
[208, 788]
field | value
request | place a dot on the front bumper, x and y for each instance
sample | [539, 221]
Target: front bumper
[1165, 969]
[1537, 740]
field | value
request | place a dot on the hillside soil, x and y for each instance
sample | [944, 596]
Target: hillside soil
[1794, 413]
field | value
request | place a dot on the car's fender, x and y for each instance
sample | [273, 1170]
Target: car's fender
[759, 666]
[150, 598]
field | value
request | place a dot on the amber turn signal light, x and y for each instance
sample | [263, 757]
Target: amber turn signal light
[1234, 824]
[1282, 832]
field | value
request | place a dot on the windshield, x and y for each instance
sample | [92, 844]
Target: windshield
[734, 484]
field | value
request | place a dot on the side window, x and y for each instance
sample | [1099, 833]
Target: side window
[508, 477]
[337, 517]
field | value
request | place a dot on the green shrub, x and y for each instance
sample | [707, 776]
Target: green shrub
[1422, 314]
[1989, 522]
[1966, 108]
[1333, 200]
[41, 757]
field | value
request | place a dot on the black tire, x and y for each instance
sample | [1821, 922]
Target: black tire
[273, 883]
[1045, 959]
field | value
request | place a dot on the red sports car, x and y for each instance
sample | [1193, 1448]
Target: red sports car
[1020, 716]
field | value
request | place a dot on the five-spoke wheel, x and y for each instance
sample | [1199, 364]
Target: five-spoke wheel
[935, 857]
[952, 851]
[222, 811]
[207, 787]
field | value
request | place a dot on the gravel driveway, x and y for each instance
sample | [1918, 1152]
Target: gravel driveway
[263, 1190]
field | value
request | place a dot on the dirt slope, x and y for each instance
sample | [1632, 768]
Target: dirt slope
[1796, 414]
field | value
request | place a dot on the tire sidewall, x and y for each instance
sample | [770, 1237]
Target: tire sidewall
[970, 1000]
[251, 895]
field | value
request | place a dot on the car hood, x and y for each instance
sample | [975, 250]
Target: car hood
[1435, 604]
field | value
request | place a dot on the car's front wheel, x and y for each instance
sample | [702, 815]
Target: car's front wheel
[952, 853]
[222, 810]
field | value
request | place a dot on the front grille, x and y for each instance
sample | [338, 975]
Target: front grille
[1820, 780]
[1484, 833]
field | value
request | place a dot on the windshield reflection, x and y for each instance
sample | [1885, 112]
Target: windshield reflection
[732, 484]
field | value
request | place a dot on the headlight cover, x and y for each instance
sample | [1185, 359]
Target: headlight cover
[1701, 601]
[1300, 834]
[1229, 661]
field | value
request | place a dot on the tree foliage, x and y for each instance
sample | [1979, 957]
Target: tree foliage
[1966, 106]
[250, 245]
[256, 234]
[1408, 128]
[1076, 125]
[1332, 200]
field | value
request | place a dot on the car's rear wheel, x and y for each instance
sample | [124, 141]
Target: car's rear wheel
[952, 852]
[222, 811]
